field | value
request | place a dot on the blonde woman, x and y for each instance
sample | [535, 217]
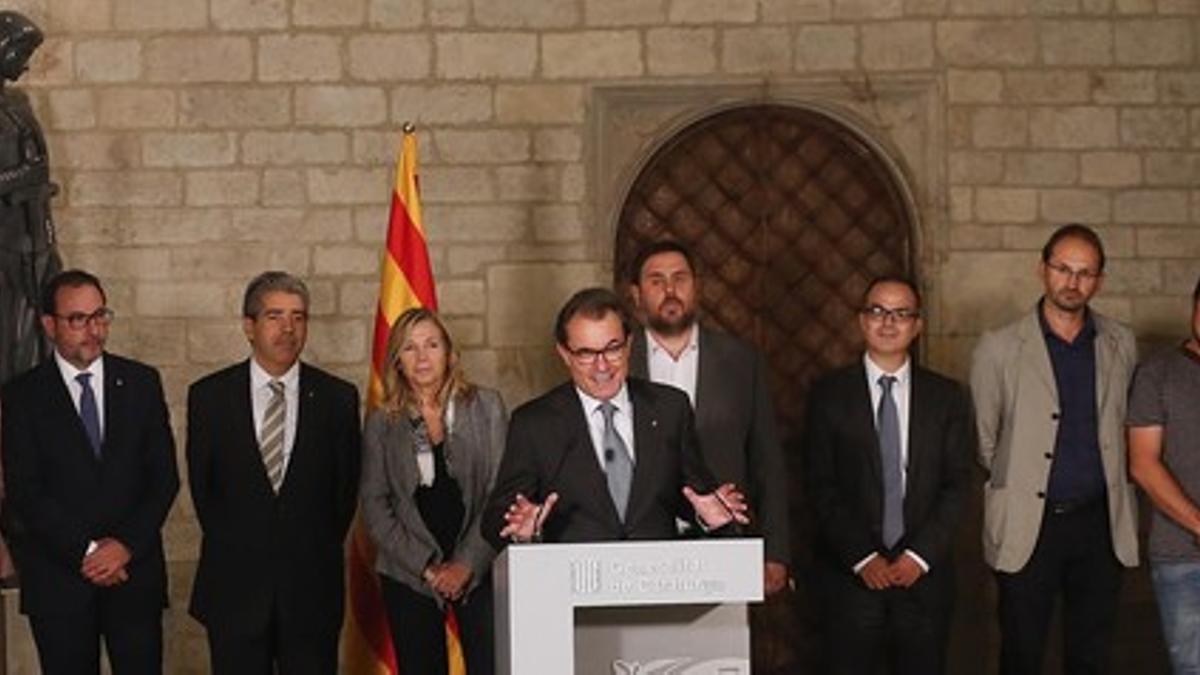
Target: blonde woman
[430, 454]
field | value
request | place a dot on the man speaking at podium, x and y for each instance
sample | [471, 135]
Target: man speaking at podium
[603, 457]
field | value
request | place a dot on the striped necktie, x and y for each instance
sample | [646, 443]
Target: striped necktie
[270, 439]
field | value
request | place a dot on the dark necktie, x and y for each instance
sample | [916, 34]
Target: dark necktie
[888, 428]
[88, 412]
[618, 465]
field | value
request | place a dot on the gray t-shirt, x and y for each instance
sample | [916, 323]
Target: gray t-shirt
[1166, 393]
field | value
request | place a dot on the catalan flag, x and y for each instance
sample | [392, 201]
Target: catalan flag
[406, 281]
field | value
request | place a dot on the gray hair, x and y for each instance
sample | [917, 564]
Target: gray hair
[270, 282]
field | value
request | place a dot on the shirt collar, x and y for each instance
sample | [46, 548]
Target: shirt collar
[692, 345]
[70, 372]
[874, 372]
[620, 400]
[260, 378]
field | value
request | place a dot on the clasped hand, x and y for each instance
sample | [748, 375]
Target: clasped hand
[105, 566]
[879, 574]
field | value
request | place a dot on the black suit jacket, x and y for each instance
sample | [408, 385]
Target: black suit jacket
[735, 423]
[549, 450]
[60, 495]
[259, 548]
[843, 469]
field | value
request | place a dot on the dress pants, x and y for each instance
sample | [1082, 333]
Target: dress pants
[282, 648]
[902, 631]
[69, 643]
[1074, 557]
[419, 633]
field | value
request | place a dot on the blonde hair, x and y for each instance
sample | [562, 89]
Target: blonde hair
[398, 395]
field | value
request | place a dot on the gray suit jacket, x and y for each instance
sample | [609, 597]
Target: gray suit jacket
[735, 424]
[390, 478]
[1016, 407]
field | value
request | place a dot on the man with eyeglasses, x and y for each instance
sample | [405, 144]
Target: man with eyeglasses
[568, 467]
[725, 380]
[887, 456]
[1059, 510]
[90, 473]
[273, 455]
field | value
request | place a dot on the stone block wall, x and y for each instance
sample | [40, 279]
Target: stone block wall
[198, 142]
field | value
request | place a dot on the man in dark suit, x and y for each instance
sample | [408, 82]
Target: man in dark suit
[726, 381]
[89, 465]
[603, 457]
[273, 460]
[888, 450]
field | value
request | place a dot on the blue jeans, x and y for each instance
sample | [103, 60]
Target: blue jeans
[1177, 587]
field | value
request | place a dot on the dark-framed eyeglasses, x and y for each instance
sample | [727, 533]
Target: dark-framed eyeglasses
[899, 314]
[77, 320]
[613, 353]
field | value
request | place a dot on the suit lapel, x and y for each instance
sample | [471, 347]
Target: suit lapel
[1106, 348]
[862, 420]
[63, 408]
[639, 355]
[117, 407]
[1039, 355]
[647, 445]
[580, 463]
[307, 413]
[708, 391]
[240, 415]
[920, 411]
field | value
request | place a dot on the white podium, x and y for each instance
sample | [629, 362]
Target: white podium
[626, 607]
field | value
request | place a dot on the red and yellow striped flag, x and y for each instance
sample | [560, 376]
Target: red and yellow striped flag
[406, 281]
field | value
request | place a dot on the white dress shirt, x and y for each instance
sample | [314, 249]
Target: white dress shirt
[69, 372]
[901, 394]
[680, 373]
[622, 420]
[260, 398]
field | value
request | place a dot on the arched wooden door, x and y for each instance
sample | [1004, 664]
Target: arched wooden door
[790, 214]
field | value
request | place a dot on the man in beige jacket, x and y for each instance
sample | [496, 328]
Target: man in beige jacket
[1059, 510]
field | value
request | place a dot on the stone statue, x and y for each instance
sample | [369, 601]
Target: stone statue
[28, 257]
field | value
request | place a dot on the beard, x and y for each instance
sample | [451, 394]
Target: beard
[671, 326]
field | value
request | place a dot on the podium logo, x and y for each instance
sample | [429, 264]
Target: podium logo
[683, 666]
[585, 577]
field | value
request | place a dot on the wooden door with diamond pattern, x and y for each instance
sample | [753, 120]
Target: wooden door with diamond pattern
[789, 214]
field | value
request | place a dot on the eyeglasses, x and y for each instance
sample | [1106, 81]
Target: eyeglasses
[613, 353]
[1079, 275]
[899, 315]
[77, 320]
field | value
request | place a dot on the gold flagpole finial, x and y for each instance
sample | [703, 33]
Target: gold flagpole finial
[408, 127]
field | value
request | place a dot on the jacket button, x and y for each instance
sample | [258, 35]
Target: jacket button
[1049, 455]
[1041, 495]
[1054, 416]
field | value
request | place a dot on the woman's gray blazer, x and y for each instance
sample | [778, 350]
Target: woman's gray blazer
[473, 447]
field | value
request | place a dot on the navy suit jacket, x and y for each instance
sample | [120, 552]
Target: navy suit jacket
[549, 449]
[60, 495]
[260, 549]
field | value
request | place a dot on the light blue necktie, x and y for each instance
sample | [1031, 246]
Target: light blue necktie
[889, 455]
[88, 412]
[618, 465]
